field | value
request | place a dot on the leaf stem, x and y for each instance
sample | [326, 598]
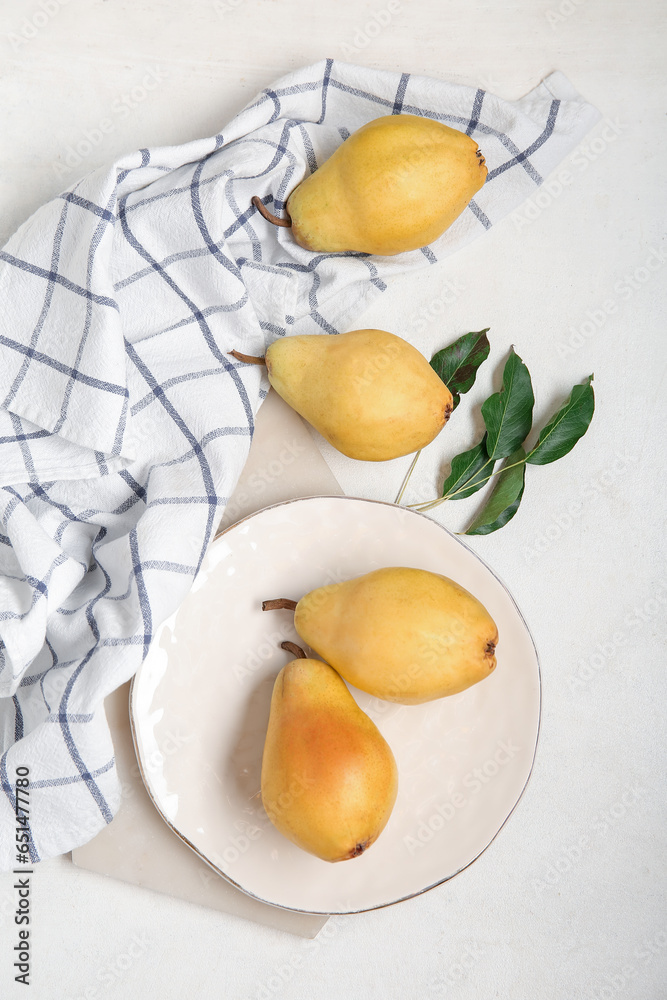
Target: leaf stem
[465, 486]
[407, 477]
[434, 503]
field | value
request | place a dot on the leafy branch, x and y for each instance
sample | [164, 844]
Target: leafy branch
[508, 417]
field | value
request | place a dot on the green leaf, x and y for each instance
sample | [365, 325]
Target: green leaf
[508, 414]
[501, 521]
[565, 428]
[457, 364]
[469, 471]
[504, 501]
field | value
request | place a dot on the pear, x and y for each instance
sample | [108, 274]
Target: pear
[396, 184]
[402, 634]
[329, 778]
[372, 395]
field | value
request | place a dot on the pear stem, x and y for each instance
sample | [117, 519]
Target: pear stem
[279, 604]
[269, 216]
[249, 359]
[295, 650]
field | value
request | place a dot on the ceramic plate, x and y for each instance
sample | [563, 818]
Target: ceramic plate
[200, 705]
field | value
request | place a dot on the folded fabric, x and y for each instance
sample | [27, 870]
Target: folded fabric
[124, 422]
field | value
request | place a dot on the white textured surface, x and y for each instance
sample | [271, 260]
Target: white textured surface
[568, 901]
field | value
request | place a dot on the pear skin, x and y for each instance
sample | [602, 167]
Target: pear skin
[396, 184]
[405, 635]
[371, 394]
[329, 778]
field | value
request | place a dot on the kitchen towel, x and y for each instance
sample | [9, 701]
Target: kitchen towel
[124, 422]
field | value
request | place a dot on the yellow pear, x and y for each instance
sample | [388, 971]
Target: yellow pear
[372, 395]
[395, 184]
[329, 778]
[401, 634]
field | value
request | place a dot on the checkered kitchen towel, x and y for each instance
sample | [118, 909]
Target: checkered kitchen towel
[124, 423]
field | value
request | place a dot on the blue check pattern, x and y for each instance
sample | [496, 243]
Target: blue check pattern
[124, 422]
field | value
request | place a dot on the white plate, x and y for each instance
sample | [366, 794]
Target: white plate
[200, 704]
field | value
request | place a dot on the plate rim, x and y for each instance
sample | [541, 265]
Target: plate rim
[377, 906]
